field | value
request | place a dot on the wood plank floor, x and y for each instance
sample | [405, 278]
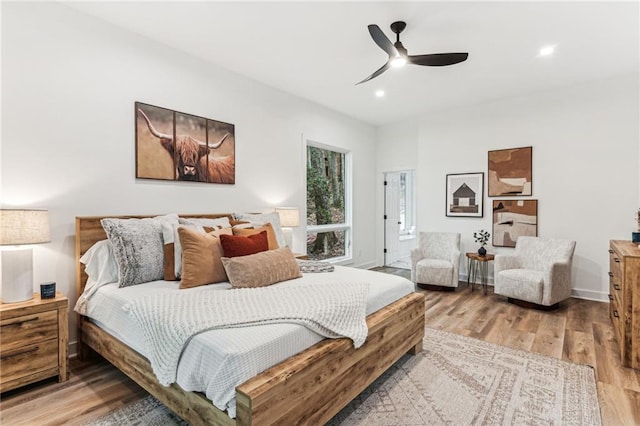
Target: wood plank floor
[580, 331]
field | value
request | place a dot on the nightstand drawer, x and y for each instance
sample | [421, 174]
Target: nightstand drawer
[28, 360]
[25, 330]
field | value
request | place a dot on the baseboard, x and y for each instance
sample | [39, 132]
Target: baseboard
[73, 349]
[596, 296]
[367, 265]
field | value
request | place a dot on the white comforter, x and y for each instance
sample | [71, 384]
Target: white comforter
[216, 361]
[169, 321]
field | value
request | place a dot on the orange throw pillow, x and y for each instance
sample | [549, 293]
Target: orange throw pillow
[271, 235]
[201, 257]
[235, 245]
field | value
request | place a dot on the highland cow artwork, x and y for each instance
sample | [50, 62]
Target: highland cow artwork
[510, 172]
[173, 145]
[512, 219]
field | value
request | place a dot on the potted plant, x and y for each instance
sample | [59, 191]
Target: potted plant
[635, 236]
[481, 237]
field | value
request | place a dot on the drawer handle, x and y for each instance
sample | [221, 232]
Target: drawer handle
[616, 286]
[611, 274]
[28, 351]
[18, 323]
[615, 259]
[611, 298]
[615, 314]
[610, 251]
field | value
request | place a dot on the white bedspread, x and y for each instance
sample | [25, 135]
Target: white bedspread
[216, 361]
[169, 321]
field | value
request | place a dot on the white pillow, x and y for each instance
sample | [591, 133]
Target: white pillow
[262, 218]
[202, 221]
[170, 236]
[100, 263]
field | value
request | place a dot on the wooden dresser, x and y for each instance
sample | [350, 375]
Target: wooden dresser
[624, 297]
[33, 341]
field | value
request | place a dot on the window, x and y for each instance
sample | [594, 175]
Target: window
[328, 203]
[407, 205]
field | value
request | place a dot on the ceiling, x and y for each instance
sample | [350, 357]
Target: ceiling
[319, 50]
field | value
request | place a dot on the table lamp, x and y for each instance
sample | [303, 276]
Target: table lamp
[289, 218]
[18, 230]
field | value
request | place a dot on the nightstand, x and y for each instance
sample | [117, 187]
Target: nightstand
[301, 256]
[34, 336]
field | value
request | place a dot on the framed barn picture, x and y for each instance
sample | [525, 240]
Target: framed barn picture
[173, 145]
[510, 172]
[512, 219]
[465, 195]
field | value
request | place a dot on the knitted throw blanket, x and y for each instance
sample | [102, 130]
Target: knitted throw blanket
[169, 321]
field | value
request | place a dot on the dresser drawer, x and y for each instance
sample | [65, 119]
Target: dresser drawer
[28, 360]
[24, 330]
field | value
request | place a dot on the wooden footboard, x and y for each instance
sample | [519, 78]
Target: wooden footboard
[309, 388]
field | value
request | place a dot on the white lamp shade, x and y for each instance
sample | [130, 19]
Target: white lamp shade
[289, 216]
[24, 227]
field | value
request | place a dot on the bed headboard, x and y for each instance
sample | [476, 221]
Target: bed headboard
[89, 231]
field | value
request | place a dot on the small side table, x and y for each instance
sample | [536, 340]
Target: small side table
[477, 264]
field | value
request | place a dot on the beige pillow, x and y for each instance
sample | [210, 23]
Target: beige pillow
[271, 235]
[201, 254]
[261, 269]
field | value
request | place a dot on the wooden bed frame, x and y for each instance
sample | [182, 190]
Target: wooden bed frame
[308, 388]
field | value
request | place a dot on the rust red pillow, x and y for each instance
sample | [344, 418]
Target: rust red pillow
[236, 245]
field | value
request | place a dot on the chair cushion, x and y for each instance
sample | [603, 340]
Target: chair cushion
[521, 284]
[435, 272]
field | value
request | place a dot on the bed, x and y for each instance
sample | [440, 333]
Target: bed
[307, 388]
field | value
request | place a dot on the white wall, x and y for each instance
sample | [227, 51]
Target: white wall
[585, 167]
[396, 149]
[69, 83]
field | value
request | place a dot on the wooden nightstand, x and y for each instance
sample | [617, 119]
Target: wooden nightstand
[301, 256]
[34, 336]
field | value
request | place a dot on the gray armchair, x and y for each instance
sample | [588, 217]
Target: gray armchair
[435, 262]
[539, 272]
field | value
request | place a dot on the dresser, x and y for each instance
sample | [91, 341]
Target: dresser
[34, 338]
[624, 299]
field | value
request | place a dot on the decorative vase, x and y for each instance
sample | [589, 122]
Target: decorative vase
[482, 251]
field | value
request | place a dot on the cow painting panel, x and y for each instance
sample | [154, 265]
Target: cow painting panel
[179, 146]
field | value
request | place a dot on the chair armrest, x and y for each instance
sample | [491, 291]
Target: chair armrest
[557, 276]
[503, 262]
[416, 255]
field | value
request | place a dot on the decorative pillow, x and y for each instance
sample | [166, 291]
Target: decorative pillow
[262, 218]
[262, 269]
[201, 221]
[138, 248]
[234, 245]
[271, 236]
[173, 249]
[100, 263]
[201, 253]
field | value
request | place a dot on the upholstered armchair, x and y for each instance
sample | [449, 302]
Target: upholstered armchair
[538, 272]
[435, 262]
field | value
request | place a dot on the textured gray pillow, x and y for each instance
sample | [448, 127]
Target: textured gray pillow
[138, 247]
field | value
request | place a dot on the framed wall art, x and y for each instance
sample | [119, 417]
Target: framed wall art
[465, 195]
[512, 219]
[173, 145]
[510, 172]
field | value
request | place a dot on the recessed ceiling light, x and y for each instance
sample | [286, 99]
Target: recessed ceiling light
[379, 93]
[547, 50]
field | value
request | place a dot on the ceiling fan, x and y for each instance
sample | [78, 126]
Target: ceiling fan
[399, 56]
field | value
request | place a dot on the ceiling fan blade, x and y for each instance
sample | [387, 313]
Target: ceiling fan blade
[438, 59]
[377, 73]
[381, 40]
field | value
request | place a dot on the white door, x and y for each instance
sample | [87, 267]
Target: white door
[392, 217]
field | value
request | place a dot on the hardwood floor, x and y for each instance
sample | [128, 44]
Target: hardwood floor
[580, 331]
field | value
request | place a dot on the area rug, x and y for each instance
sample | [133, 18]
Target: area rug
[456, 380]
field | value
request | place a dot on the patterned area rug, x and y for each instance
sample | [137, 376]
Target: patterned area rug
[456, 380]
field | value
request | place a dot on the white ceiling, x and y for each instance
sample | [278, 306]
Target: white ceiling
[319, 50]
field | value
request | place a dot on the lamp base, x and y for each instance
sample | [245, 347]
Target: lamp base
[17, 275]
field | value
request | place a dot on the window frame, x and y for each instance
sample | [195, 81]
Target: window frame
[347, 226]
